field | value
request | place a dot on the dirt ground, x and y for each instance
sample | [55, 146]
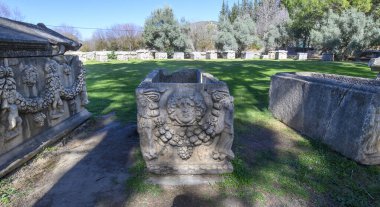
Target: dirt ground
[90, 168]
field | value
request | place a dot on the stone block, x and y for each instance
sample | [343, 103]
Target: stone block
[327, 57]
[264, 57]
[250, 55]
[102, 56]
[144, 55]
[374, 64]
[211, 55]
[281, 55]
[301, 56]
[198, 55]
[229, 54]
[161, 56]
[340, 111]
[179, 56]
[185, 123]
[272, 54]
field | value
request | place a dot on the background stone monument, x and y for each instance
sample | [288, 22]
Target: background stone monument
[340, 111]
[42, 92]
[185, 123]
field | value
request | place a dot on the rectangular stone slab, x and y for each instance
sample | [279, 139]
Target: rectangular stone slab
[185, 123]
[340, 111]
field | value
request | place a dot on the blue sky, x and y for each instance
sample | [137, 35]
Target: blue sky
[103, 14]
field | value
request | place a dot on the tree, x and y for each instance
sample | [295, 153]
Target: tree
[245, 33]
[306, 13]
[269, 13]
[163, 32]
[124, 37]
[346, 33]
[9, 13]
[225, 39]
[276, 37]
[202, 35]
[69, 32]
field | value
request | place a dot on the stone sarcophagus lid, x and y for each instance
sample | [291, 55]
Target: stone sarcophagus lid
[340, 111]
[185, 123]
[42, 91]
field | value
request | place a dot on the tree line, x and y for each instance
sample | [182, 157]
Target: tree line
[342, 27]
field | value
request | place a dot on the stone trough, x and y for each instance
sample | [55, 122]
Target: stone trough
[341, 111]
[185, 123]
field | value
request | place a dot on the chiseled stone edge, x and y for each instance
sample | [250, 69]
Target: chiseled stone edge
[26, 151]
[188, 169]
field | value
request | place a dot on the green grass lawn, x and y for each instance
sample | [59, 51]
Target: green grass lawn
[272, 159]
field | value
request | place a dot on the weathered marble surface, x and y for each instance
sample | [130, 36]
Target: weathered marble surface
[281, 55]
[301, 56]
[160, 55]
[42, 92]
[250, 55]
[211, 55]
[198, 55]
[185, 123]
[37, 94]
[229, 54]
[340, 111]
[179, 55]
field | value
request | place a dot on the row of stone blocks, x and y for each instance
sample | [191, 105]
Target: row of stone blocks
[149, 55]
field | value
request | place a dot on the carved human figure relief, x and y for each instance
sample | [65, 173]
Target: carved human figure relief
[52, 80]
[222, 112]
[10, 119]
[148, 110]
[29, 79]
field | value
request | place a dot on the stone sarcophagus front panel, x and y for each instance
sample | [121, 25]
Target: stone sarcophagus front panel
[185, 123]
[42, 91]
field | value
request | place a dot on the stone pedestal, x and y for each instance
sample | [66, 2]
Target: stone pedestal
[122, 55]
[144, 55]
[229, 54]
[301, 56]
[102, 56]
[327, 57]
[281, 55]
[179, 56]
[374, 64]
[42, 91]
[272, 54]
[198, 55]
[211, 55]
[250, 55]
[185, 123]
[341, 111]
[161, 56]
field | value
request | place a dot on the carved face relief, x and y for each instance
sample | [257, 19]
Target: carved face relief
[29, 77]
[66, 69]
[185, 109]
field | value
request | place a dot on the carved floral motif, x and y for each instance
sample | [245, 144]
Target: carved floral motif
[12, 102]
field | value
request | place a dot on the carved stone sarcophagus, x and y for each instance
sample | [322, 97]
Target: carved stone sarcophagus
[185, 123]
[42, 91]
